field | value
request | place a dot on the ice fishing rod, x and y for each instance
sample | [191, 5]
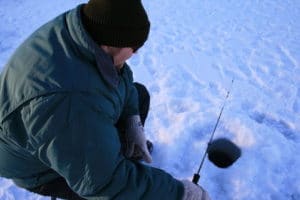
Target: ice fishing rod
[221, 152]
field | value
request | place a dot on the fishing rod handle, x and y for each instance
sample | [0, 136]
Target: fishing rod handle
[196, 178]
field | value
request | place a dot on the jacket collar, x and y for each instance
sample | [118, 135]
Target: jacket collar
[89, 48]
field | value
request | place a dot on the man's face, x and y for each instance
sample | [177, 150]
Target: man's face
[120, 55]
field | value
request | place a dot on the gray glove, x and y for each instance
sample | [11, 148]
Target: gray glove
[135, 139]
[193, 191]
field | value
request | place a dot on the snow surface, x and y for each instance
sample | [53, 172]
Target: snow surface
[194, 51]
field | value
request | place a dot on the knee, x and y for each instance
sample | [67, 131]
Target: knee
[142, 90]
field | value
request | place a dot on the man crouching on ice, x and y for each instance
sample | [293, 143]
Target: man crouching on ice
[71, 118]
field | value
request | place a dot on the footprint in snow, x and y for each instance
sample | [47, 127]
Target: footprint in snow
[278, 124]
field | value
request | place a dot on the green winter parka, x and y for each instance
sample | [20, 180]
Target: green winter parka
[60, 97]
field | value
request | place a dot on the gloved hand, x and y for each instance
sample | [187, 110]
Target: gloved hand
[135, 140]
[193, 191]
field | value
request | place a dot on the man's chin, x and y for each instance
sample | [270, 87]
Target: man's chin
[120, 66]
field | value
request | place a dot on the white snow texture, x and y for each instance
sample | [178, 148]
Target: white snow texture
[195, 49]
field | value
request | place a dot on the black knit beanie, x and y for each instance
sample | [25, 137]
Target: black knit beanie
[117, 23]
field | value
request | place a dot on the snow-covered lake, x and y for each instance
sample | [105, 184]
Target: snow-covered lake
[194, 50]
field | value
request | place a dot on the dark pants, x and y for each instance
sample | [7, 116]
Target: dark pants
[59, 187]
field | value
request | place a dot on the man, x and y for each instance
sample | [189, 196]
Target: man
[70, 123]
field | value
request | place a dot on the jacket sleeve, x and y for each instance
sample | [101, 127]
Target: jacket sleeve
[73, 136]
[131, 102]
